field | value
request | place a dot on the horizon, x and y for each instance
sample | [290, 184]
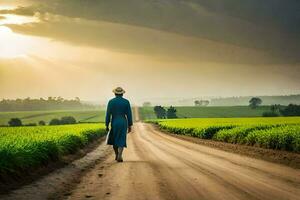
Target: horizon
[167, 101]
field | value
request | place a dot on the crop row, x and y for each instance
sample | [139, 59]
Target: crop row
[23, 148]
[274, 133]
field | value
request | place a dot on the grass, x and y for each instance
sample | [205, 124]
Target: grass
[276, 133]
[36, 116]
[24, 148]
[209, 112]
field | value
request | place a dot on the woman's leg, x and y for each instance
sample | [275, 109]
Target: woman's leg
[116, 152]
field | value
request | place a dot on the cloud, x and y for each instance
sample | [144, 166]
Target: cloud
[244, 24]
[27, 11]
[251, 23]
[139, 40]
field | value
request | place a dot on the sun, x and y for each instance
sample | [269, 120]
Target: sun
[11, 45]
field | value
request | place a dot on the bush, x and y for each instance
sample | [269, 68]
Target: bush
[270, 114]
[209, 132]
[31, 124]
[68, 120]
[15, 122]
[238, 134]
[63, 120]
[280, 137]
[42, 123]
[54, 122]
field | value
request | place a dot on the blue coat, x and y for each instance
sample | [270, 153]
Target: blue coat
[119, 114]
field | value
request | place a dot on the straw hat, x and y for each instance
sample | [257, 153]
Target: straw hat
[119, 90]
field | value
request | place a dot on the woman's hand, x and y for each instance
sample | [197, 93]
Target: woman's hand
[129, 129]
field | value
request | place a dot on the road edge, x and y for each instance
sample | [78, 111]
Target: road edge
[286, 158]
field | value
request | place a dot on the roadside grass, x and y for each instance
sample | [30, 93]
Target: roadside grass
[282, 133]
[25, 148]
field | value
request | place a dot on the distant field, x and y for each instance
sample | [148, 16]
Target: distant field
[208, 112]
[275, 133]
[36, 116]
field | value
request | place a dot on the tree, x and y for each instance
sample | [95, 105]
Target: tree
[255, 102]
[160, 112]
[171, 113]
[201, 103]
[54, 122]
[68, 120]
[275, 108]
[274, 111]
[291, 110]
[15, 122]
[42, 123]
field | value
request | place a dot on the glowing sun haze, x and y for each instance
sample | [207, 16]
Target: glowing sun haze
[168, 49]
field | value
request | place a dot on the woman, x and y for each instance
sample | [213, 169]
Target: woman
[119, 115]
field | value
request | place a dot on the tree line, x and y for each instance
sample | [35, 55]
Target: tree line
[51, 103]
[268, 100]
[276, 109]
[287, 111]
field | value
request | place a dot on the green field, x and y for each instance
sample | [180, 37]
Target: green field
[208, 112]
[23, 148]
[36, 116]
[276, 133]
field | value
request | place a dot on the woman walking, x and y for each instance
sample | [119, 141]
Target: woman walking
[119, 115]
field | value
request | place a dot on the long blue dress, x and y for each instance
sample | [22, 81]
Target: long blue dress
[119, 114]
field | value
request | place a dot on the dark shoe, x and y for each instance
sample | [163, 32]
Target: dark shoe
[119, 157]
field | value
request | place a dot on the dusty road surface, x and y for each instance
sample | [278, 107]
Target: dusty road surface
[159, 166]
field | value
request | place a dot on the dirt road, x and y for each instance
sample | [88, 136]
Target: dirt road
[158, 166]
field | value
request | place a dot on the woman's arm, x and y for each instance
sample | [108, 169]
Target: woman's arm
[129, 117]
[108, 116]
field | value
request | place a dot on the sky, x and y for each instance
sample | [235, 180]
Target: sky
[168, 49]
